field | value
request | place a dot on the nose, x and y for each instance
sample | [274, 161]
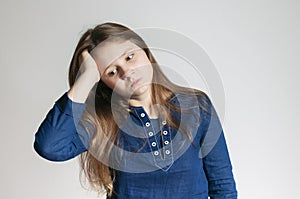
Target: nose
[127, 72]
[128, 75]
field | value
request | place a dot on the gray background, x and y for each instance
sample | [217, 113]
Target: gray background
[254, 45]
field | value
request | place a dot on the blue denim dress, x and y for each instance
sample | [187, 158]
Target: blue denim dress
[157, 162]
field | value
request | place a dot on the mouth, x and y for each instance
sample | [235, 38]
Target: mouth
[135, 82]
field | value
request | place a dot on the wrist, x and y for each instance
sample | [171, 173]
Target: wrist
[91, 76]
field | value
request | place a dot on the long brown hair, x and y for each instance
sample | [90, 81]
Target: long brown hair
[100, 116]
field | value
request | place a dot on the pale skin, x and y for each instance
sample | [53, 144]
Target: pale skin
[123, 67]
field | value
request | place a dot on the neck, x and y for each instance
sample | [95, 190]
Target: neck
[145, 100]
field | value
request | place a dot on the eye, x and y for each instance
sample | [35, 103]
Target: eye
[129, 57]
[112, 72]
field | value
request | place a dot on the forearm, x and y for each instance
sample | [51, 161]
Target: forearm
[59, 136]
[218, 169]
[81, 88]
[216, 160]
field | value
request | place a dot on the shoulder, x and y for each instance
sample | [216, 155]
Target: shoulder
[190, 97]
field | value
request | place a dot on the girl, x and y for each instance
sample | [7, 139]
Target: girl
[138, 135]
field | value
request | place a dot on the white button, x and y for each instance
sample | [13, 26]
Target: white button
[153, 144]
[165, 132]
[142, 114]
[147, 124]
[166, 142]
[156, 153]
[150, 133]
[164, 122]
[167, 152]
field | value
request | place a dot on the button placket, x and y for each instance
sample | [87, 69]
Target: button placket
[167, 144]
[166, 159]
[152, 141]
[163, 161]
[149, 131]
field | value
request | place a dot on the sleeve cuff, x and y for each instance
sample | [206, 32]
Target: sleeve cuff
[67, 106]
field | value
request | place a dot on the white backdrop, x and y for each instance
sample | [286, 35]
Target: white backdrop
[254, 45]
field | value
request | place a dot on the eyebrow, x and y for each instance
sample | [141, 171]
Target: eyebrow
[124, 53]
[127, 51]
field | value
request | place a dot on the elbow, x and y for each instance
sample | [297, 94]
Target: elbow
[46, 151]
[57, 145]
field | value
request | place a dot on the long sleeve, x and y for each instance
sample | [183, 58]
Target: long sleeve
[59, 138]
[216, 160]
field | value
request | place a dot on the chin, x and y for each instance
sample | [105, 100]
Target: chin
[141, 90]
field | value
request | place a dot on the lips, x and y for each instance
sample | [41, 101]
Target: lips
[135, 82]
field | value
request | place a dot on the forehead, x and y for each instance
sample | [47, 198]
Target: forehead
[108, 51]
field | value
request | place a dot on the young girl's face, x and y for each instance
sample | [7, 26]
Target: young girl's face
[124, 67]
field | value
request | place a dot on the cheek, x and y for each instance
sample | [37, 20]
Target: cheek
[145, 67]
[111, 84]
[116, 85]
[148, 72]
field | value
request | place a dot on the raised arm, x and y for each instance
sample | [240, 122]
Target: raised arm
[57, 138]
[60, 136]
